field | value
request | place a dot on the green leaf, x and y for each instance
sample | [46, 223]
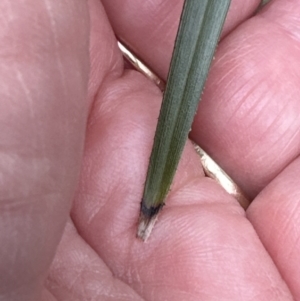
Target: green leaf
[198, 34]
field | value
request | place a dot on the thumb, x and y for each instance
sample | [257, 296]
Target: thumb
[43, 74]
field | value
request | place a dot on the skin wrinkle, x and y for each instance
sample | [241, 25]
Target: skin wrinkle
[268, 128]
[228, 84]
[289, 19]
[53, 28]
[85, 273]
[293, 249]
[290, 141]
[240, 106]
[208, 261]
[285, 31]
[252, 150]
[168, 11]
[280, 119]
[238, 61]
[272, 290]
[180, 293]
[95, 213]
[58, 57]
[272, 124]
[289, 226]
[27, 93]
[229, 59]
[77, 278]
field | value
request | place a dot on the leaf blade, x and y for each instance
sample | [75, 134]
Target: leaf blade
[198, 34]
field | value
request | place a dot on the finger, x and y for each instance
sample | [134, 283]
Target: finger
[93, 280]
[44, 74]
[275, 216]
[248, 118]
[149, 27]
[202, 246]
[106, 59]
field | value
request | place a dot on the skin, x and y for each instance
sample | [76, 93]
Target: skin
[76, 136]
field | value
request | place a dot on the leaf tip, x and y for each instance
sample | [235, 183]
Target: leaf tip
[147, 220]
[145, 226]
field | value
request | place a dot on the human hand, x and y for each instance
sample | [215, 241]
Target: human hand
[204, 247]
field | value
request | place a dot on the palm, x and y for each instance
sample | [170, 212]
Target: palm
[204, 247]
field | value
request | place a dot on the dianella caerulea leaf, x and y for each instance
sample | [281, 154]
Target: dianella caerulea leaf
[198, 34]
